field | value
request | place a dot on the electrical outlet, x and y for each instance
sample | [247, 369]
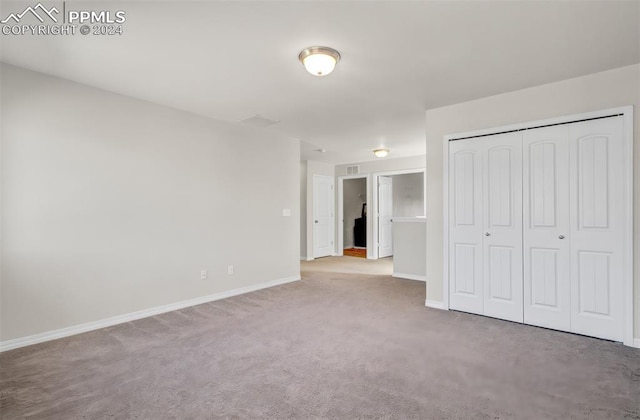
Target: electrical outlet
[203, 274]
[230, 270]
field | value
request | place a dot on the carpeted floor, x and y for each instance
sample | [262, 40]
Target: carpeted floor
[332, 345]
[382, 266]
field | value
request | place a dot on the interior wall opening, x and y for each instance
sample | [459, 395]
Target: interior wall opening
[400, 196]
[354, 226]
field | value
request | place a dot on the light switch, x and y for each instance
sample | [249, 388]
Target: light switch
[286, 212]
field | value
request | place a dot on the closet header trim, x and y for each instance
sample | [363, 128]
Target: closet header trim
[537, 126]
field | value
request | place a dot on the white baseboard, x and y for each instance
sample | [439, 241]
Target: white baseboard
[119, 319]
[306, 258]
[409, 276]
[434, 304]
[636, 343]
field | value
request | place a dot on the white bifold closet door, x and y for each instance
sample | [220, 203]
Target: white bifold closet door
[598, 205]
[486, 231]
[538, 226]
[547, 299]
[574, 205]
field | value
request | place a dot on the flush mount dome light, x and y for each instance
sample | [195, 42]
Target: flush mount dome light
[319, 61]
[381, 152]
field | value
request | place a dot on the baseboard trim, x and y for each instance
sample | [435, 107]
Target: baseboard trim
[132, 316]
[434, 304]
[306, 258]
[409, 276]
[636, 343]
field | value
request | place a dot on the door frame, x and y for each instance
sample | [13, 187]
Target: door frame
[340, 223]
[313, 214]
[627, 283]
[373, 211]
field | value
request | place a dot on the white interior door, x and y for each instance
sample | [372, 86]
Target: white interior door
[598, 224]
[385, 214]
[465, 226]
[323, 218]
[539, 227]
[502, 220]
[546, 228]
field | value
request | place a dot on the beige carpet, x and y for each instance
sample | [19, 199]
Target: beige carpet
[333, 345]
[351, 265]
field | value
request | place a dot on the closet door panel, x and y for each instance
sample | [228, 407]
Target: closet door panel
[502, 226]
[597, 227]
[547, 294]
[465, 231]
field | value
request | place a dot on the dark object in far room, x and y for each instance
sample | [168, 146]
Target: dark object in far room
[360, 228]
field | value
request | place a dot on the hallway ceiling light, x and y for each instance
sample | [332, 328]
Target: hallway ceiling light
[319, 61]
[381, 152]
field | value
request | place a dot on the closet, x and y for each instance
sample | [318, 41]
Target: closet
[538, 225]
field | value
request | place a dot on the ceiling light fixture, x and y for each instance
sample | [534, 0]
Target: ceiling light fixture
[381, 152]
[319, 61]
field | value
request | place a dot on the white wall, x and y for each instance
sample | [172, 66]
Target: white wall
[618, 87]
[408, 195]
[313, 168]
[114, 205]
[354, 195]
[409, 248]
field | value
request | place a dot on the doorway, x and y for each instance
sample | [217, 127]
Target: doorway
[397, 194]
[353, 226]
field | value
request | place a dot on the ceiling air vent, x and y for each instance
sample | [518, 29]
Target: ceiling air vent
[258, 121]
[353, 170]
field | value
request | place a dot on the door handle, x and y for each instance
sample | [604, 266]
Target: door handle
[316, 221]
[561, 237]
[487, 234]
